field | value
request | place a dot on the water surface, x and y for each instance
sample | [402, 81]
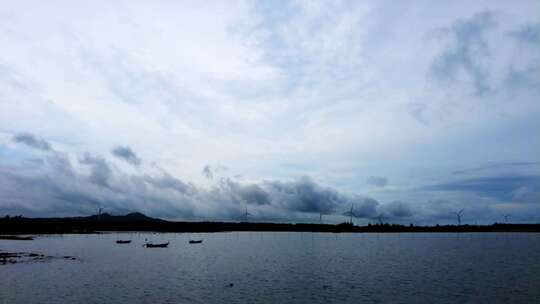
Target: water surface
[282, 267]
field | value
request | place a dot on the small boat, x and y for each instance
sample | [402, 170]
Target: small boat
[123, 241]
[151, 245]
[195, 241]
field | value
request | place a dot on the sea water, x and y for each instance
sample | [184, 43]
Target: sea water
[280, 267]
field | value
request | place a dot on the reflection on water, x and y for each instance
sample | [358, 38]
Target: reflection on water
[281, 267]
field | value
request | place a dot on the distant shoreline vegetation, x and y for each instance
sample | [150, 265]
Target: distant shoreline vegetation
[140, 222]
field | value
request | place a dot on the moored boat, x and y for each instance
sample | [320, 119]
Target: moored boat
[123, 241]
[195, 241]
[152, 245]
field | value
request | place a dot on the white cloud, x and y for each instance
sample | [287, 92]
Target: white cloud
[340, 91]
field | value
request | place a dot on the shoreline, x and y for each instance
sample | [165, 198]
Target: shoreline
[28, 233]
[137, 222]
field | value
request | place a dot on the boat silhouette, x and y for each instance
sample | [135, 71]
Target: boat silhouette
[123, 241]
[152, 245]
[195, 241]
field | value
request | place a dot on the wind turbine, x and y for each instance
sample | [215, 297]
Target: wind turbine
[458, 216]
[506, 216]
[380, 218]
[350, 214]
[320, 218]
[99, 214]
[245, 215]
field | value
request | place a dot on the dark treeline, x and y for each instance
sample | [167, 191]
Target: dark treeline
[140, 222]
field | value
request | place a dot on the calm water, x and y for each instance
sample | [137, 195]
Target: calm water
[278, 268]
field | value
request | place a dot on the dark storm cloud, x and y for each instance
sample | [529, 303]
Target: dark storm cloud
[362, 208]
[58, 186]
[397, 209]
[466, 51]
[365, 207]
[100, 171]
[54, 188]
[304, 195]
[167, 181]
[60, 164]
[32, 141]
[377, 181]
[300, 195]
[38, 195]
[125, 153]
[499, 187]
[240, 193]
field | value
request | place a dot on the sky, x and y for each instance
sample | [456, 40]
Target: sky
[200, 110]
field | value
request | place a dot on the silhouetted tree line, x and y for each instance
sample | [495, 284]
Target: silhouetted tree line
[140, 222]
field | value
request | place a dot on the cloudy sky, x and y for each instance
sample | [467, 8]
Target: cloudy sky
[197, 110]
